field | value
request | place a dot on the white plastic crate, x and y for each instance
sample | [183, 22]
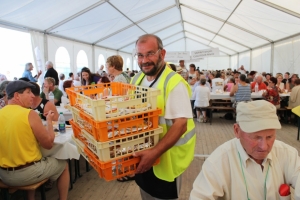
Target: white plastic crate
[121, 99]
[106, 151]
[80, 147]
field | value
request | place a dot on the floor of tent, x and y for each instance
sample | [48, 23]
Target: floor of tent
[209, 137]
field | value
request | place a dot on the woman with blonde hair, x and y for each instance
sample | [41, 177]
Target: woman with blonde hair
[114, 66]
[280, 84]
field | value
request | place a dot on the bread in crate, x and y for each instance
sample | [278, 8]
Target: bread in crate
[117, 127]
[102, 101]
[118, 148]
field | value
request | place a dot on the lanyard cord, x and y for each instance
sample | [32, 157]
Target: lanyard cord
[265, 183]
[157, 77]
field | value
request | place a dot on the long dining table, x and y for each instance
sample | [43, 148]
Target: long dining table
[226, 95]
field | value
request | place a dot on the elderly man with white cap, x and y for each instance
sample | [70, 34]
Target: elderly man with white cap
[254, 165]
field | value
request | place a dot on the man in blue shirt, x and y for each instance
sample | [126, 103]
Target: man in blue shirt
[27, 73]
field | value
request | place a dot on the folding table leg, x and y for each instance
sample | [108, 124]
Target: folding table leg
[87, 166]
[5, 193]
[43, 193]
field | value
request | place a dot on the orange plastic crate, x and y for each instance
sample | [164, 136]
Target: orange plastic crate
[77, 132]
[113, 99]
[120, 127]
[114, 169]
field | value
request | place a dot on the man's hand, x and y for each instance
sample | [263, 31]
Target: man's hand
[148, 157]
[49, 115]
[46, 90]
[40, 72]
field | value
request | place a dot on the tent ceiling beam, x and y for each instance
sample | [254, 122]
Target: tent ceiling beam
[181, 18]
[133, 23]
[154, 32]
[19, 27]
[282, 9]
[218, 34]
[209, 41]
[174, 41]
[206, 45]
[225, 21]
[74, 16]
[229, 23]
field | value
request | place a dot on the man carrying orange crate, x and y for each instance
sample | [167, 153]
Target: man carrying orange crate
[177, 142]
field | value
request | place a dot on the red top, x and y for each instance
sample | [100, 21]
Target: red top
[261, 86]
[273, 95]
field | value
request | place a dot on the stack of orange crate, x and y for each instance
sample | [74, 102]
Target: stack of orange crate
[110, 122]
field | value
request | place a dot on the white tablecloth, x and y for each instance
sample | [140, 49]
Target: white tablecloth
[254, 95]
[63, 148]
[67, 113]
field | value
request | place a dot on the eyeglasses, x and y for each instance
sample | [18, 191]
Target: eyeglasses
[148, 55]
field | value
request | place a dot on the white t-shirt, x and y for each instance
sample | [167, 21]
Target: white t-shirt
[201, 96]
[178, 103]
[61, 88]
[217, 83]
[242, 71]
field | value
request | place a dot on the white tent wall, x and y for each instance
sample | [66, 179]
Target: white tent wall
[261, 59]
[37, 43]
[244, 59]
[234, 62]
[72, 47]
[287, 56]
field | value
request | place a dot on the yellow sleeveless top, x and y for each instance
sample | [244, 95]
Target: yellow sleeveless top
[18, 144]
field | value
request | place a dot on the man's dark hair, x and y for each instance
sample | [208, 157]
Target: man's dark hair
[297, 81]
[70, 74]
[12, 95]
[143, 37]
[24, 79]
[36, 91]
[218, 75]
[243, 77]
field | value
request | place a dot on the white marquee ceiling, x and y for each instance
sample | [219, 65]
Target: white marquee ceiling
[232, 25]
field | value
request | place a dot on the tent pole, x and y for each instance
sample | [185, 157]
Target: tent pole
[45, 47]
[272, 59]
[93, 59]
[238, 61]
[250, 59]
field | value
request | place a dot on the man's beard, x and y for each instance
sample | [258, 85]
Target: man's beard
[156, 67]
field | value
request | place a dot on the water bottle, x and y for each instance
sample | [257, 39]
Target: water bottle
[51, 97]
[256, 88]
[61, 123]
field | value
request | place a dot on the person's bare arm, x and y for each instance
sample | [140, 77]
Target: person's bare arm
[233, 90]
[148, 157]
[51, 107]
[45, 135]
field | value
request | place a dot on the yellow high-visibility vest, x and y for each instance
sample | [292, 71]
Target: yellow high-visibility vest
[175, 160]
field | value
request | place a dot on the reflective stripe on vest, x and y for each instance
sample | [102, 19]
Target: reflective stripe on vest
[167, 81]
[136, 77]
[185, 138]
